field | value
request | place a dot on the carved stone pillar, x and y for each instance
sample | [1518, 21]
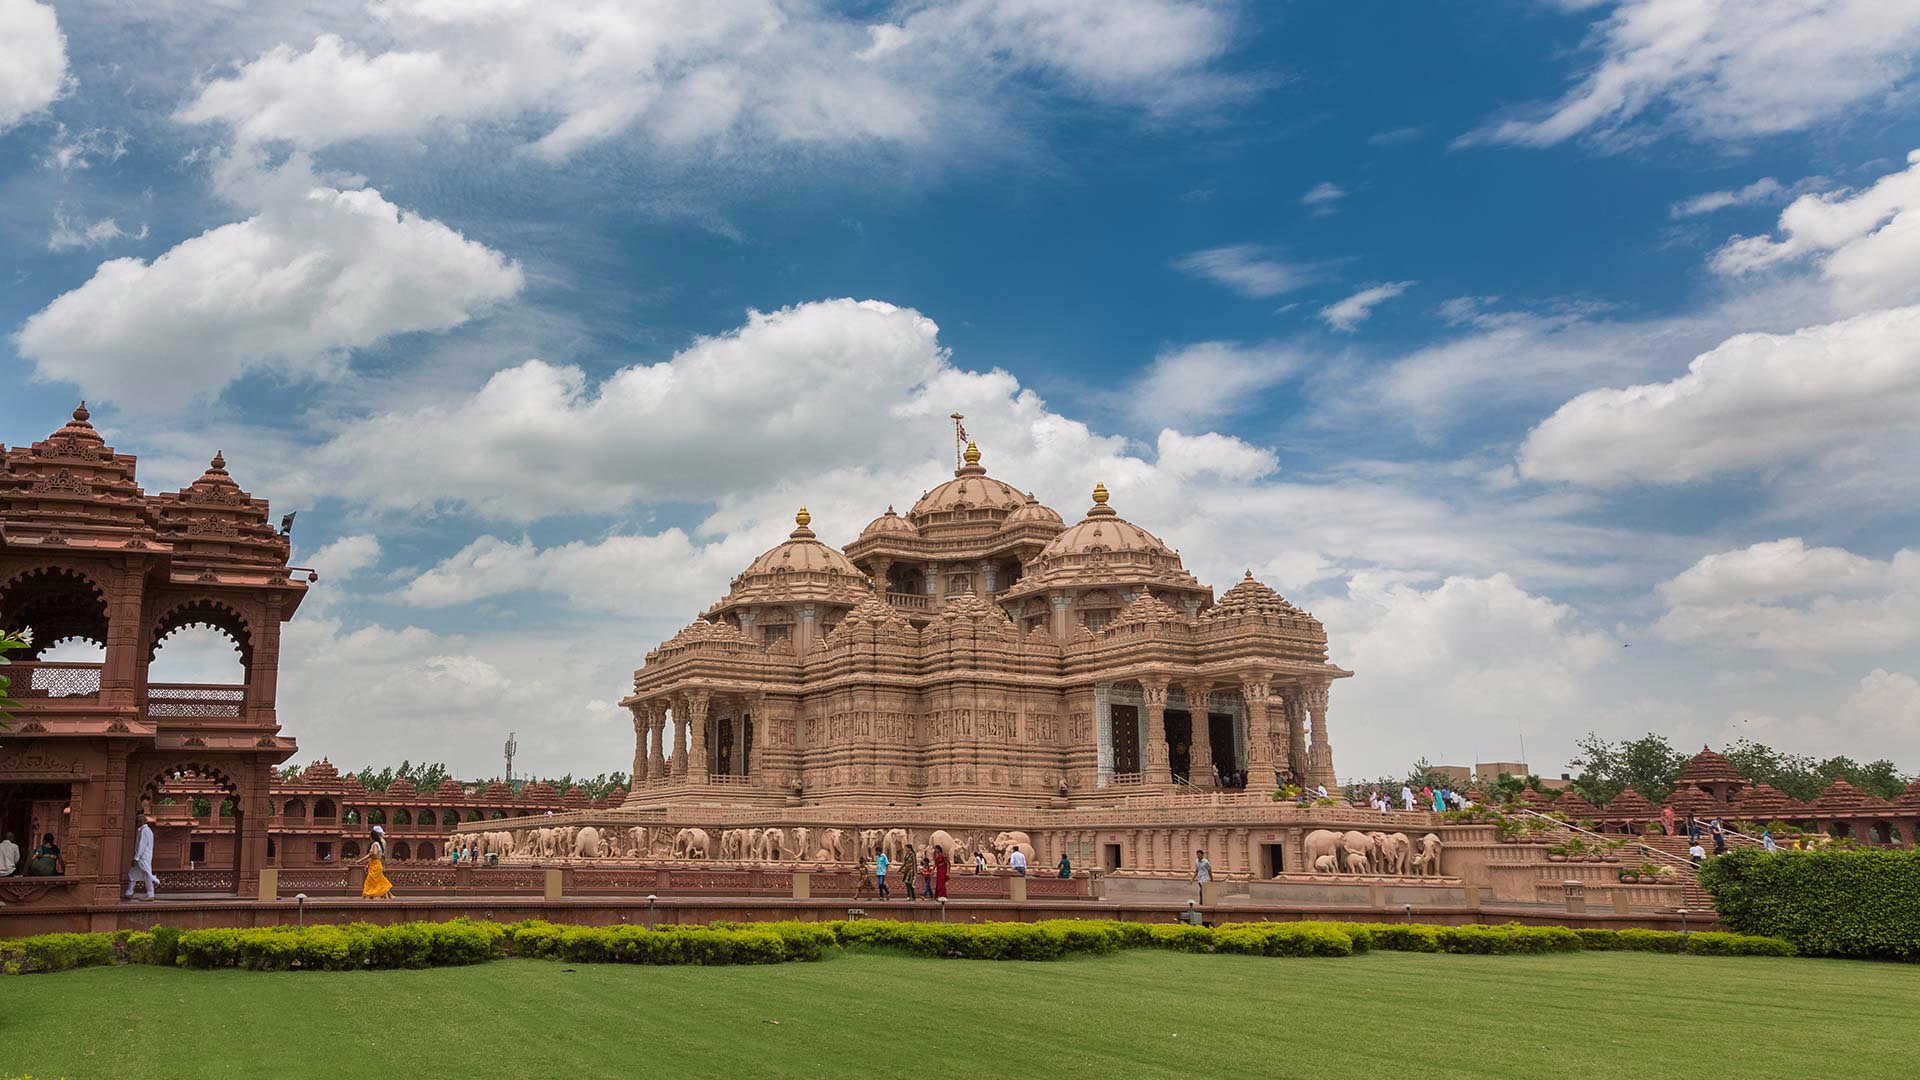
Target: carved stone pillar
[1061, 602]
[1320, 756]
[696, 728]
[740, 740]
[680, 711]
[126, 640]
[1295, 718]
[1260, 763]
[642, 723]
[1153, 698]
[1200, 753]
[805, 632]
[656, 738]
[882, 572]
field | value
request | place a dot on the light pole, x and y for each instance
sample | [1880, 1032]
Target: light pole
[651, 900]
[300, 905]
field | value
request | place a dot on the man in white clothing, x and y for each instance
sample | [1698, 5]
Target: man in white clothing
[143, 861]
[1018, 860]
[1406, 796]
[9, 855]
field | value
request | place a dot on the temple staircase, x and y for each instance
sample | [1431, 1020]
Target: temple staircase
[1655, 849]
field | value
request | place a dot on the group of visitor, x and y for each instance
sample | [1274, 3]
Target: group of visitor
[46, 860]
[1694, 831]
[1229, 779]
[1438, 799]
[931, 870]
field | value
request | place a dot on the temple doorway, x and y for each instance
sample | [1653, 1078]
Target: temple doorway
[1180, 745]
[1273, 859]
[1110, 856]
[1126, 740]
[1220, 741]
[30, 811]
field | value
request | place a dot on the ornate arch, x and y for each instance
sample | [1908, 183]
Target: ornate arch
[61, 603]
[213, 614]
[202, 769]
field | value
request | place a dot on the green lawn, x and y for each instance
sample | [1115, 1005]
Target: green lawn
[1138, 1014]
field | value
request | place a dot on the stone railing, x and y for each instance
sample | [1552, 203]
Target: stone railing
[51, 679]
[198, 880]
[909, 601]
[195, 700]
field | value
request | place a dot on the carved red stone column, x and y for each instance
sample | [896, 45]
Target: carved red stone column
[656, 740]
[1320, 755]
[1153, 698]
[642, 763]
[680, 740]
[695, 724]
[1200, 752]
[1295, 717]
[1260, 763]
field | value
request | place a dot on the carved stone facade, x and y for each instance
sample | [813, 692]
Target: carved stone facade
[86, 555]
[979, 652]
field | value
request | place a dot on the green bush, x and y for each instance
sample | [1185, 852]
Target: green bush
[1665, 941]
[55, 952]
[1717, 943]
[342, 948]
[1180, 937]
[1594, 939]
[1283, 939]
[1856, 904]
[1394, 937]
[671, 945]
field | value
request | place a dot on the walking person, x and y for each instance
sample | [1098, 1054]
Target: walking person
[1666, 819]
[1719, 838]
[1697, 853]
[907, 864]
[1202, 871]
[979, 863]
[142, 869]
[1766, 841]
[1018, 861]
[880, 873]
[1066, 868]
[1406, 796]
[377, 886]
[926, 877]
[941, 865]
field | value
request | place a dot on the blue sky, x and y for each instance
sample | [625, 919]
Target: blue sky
[1560, 355]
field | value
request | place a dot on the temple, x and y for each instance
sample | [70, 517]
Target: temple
[979, 651]
[86, 555]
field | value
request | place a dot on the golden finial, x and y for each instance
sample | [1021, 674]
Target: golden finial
[972, 456]
[803, 519]
[1100, 494]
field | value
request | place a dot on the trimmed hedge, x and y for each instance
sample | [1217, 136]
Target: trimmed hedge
[1858, 904]
[360, 946]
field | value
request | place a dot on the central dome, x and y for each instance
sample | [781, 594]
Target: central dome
[970, 490]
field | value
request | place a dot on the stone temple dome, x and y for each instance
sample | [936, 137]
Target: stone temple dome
[801, 552]
[889, 524]
[971, 496]
[1104, 530]
[1034, 511]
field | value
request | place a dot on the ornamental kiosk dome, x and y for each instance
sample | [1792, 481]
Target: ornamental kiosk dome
[889, 524]
[1034, 511]
[802, 552]
[1105, 531]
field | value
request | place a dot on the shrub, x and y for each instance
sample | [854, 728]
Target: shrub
[1665, 941]
[1826, 903]
[1283, 939]
[1594, 939]
[1717, 943]
[55, 952]
[1181, 937]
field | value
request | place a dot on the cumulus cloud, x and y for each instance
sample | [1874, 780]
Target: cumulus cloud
[623, 573]
[345, 558]
[1324, 197]
[33, 60]
[1784, 597]
[1346, 315]
[1867, 243]
[1248, 269]
[316, 271]
[1725, 70]
[1209, 380]
[1755, 400]
[738, 71]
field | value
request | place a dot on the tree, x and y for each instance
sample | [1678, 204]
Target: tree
[1649, 765]
[10, 642]
[1804, 778]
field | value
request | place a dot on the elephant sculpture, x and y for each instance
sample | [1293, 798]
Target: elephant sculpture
[586, 843]
[942, 839]
[1323, 850]
[1356, 862]
[661, 843]
[1006, 843]
[1399, 853]
[896, 843]
[767, 845]
[797, 847]
[1356, 847]
[637, 842]
[831, 847]
[691, 844]
[1427, 859]
[732, 844]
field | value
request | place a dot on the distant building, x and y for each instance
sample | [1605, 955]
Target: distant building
[1486, 772]
[1458, 776]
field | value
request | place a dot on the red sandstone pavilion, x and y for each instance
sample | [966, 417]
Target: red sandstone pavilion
[974, 674]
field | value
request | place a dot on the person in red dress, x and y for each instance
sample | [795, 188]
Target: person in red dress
[940, 866]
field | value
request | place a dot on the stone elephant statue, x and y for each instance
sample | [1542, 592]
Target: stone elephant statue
[660, 843]
[1377, 845]
[1399, 853]
[586, 843]
[733, 843]
[798, 845]
[691, 844]
[945, 841]
[1326, 864]
[1006, 843]
[768, 844]
[638, 842]
[870, 843]
[1356, 847]
[832, 846]
[1427, 859]
[896, 843]
[1323, 843]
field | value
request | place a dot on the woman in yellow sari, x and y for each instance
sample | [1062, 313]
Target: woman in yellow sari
[377, 885]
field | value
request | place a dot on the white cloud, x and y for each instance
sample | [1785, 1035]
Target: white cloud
[1718, 69]
[1766, 189]
[1209, 381]
[1324, 197]
[72, 152]
[1868, 242]
[1345, 315]
[33, 60]
[1786, 598]
[1754, 401]
[664, 573]
[1457, 669]
[737, 71]
[69, 233]
[1773, 570]
[316, 271]
[343, 559]
[1248, 270]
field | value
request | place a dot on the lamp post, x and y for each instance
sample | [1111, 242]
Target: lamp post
[943, 909]
[1683, 922]
[300, 905]
[652, 898]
